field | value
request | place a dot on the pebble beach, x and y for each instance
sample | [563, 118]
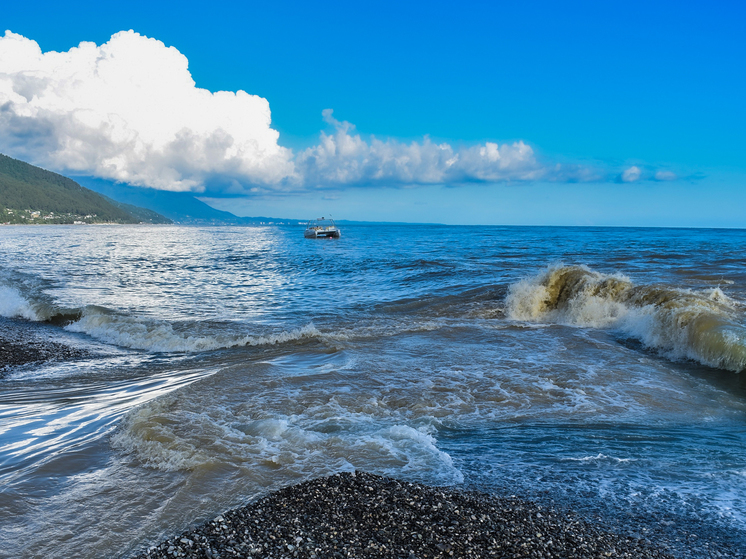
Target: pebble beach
[364, 515]
[21, 344]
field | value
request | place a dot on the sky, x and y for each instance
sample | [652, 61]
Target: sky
[525, 113]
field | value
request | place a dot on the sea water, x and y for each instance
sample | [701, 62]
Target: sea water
[596, 369]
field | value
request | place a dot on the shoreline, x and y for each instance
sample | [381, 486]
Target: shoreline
[341, 502]
[21, 345]
[364, 515]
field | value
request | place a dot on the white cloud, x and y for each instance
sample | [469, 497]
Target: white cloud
[632, 174]
[344, 158]
[128, 110]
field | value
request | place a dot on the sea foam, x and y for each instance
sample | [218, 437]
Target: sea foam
[14, 305]
[167, 435]
[161, 336]
[681, 323]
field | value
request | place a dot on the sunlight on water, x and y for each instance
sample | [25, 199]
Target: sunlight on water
[224, 362]
[39, 422]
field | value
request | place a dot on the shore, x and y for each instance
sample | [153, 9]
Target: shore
[21, 343]
[363, 515]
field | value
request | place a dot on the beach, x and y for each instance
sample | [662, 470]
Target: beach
[21, 345]
[358, 514]
[364, 515]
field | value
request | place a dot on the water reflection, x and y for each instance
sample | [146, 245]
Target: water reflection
[42, 419]
[172, 273]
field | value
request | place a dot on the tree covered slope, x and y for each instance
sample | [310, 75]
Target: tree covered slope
[29, 194]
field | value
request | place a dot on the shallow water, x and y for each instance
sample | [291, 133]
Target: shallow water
[599, 368]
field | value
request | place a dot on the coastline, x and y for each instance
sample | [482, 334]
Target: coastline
[21, 345]
[364, 515]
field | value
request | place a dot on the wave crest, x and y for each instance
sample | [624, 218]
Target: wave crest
[161, 336]
[679, 322]
[14, 305]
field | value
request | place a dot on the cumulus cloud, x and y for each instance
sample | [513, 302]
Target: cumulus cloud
[129, 111]
[632, 174]
[344, 157]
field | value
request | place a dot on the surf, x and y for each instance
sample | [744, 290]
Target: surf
[702, 326]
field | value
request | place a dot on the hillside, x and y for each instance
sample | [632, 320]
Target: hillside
[181, 207]
[143, 215]
[29, 194]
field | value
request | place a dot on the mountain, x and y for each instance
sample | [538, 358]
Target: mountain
[30, 194]
[144, 215]
[181, 207]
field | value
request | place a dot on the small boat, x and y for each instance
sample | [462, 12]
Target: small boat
[322, 227]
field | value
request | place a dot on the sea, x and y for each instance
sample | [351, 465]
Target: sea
[598, 370]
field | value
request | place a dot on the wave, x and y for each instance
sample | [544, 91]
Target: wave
[166, 434]
[33, 304]
[14, 305]
[134, 332]
[161, 336]
[681, 323]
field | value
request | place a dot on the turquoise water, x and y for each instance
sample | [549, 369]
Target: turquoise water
[601, 369]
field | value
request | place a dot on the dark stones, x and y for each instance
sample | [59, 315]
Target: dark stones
[20, 344]
[362, 515]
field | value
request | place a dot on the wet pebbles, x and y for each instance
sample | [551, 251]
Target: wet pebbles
[364, 515]
[21, 343]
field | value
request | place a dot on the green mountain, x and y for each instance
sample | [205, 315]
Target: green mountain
[143, 215]
[29, 194]
[182, 207]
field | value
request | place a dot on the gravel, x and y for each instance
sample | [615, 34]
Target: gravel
[22, 343]
[368, 516]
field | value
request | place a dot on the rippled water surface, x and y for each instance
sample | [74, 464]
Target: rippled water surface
[599, 368]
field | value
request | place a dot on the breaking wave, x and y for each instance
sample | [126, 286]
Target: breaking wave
[14, 305]
[134, 332]
[161, 336]
[681, 323]
[166, 434]
[31, 303]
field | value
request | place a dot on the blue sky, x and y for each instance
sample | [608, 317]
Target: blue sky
[596, 88]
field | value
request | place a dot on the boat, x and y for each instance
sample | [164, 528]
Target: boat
[322, 228]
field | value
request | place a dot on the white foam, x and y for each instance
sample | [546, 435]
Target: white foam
[160, 336]
[418, 448]
[718, 296]
[270, 429]
[166, 435]
[147, 433]
[382, 329]
[598, 458]
[530, 299]
[679, 322]
[14, 305]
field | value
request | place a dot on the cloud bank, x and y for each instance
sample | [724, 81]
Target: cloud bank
[343, 158]
[129, 111]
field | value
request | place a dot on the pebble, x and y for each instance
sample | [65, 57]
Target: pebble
[362, 515]
[20, 345]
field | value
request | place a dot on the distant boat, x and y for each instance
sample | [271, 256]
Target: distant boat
[322, 227]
